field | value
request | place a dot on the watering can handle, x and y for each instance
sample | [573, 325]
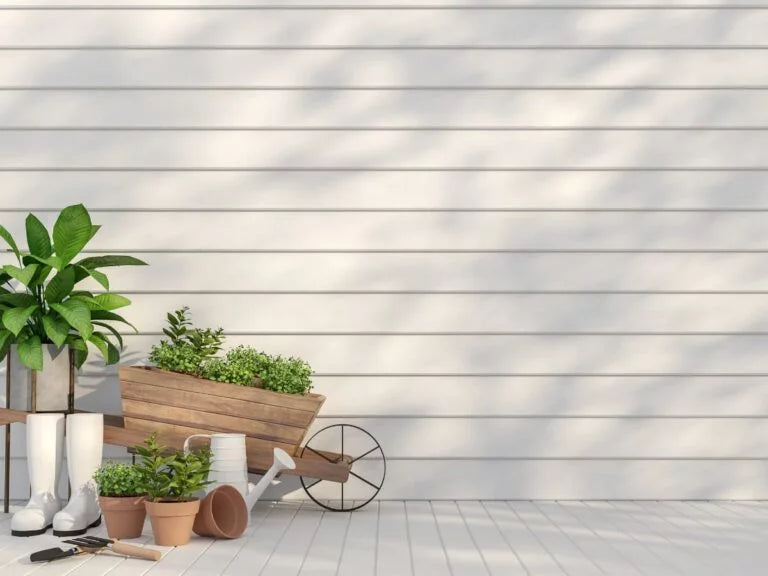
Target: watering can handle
[186, 442]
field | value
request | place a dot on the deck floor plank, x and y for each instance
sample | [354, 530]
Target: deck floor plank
[573, 561]
[394, 555]
[324, 552]
[463, 556]
[447, 538]
[593, 546]
[534, 557]
[680, 548]
[427, 550]
[358, 556]
[499, 557]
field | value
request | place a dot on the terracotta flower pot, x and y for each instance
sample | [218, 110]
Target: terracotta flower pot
[124, 516]
[172, 521]
[223, 514]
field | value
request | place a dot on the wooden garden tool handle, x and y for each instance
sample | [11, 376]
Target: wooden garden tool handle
[136, 551]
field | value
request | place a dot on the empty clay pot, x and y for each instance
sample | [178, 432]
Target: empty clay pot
[172, 521]
[124, 516]
[223, 514]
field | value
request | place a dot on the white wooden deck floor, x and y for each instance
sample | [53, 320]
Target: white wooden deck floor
[454, 538]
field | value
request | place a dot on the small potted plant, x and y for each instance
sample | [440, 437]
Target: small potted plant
[121, 498]
[171, 482]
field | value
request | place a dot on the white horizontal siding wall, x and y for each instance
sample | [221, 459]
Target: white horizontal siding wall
[524, 244]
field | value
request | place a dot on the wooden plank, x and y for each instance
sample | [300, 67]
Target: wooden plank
[566, 190]
[155, 377]
[498, 556]
[222, 552]
[563, 437]
[428, 553]
[253, 557]
[534, 557]
[324, 552]
[742, 561]
[215, 404]
[143, 428]
[436, 68]
[460, 548]
[358, 557]
[259, 452]
[598, 550]
[569, 556]
[159, 412]
[288, 555]
[486, 313]
[384, 149]
[370, 108]
[635, 548]
[561, 354]
[8, 416]
[394, 551]
[388, 27]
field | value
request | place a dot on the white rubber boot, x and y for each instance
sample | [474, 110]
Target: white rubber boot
[45, 449]
[85, 440]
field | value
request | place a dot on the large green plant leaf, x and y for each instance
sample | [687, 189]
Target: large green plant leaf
[31, 353]
[52, 261]
[115, 333]
[109, 260]
[23, 275]
[19, 300]
[71, 232]
[80, 349]
[112, 301]
[100, 277]
[37, 237]
[16, 318]
[6, 339]
[5, 235]
[108, 350]
[56, 329]
[78, 315]
[106, 315]
[60, 285]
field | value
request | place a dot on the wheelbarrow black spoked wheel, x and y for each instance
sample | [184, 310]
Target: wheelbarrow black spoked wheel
[367, 467]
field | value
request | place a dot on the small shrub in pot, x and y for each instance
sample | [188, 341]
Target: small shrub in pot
[121, 498]
[171, 482]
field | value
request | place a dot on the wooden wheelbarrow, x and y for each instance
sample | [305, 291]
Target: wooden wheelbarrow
[176, 406]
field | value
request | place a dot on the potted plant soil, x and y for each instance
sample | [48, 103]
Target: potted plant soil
[121, 498]
[171, 482]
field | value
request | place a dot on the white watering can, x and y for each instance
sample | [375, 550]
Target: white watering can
[229, 465]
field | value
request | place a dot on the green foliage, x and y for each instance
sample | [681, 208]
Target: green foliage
[191, 350]
[38, 301]
[289, 375]
[176, 476]
[187, 348]
[116, 480]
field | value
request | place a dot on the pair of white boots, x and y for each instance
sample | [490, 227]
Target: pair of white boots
[45, 450]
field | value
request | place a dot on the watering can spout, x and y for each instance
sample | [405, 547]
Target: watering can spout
[282, 461]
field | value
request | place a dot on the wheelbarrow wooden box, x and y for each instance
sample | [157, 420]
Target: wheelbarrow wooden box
[176, 406]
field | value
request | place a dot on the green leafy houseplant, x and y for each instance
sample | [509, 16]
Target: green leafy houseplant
[172, 477]
[39, 303]
[191, 350]
[117, 480]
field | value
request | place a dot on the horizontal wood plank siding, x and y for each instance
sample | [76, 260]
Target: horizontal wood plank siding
[522, 243]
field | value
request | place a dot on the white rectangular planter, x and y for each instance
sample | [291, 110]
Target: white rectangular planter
[52, 382]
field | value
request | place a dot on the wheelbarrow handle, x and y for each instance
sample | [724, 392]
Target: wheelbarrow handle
[136, 551]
